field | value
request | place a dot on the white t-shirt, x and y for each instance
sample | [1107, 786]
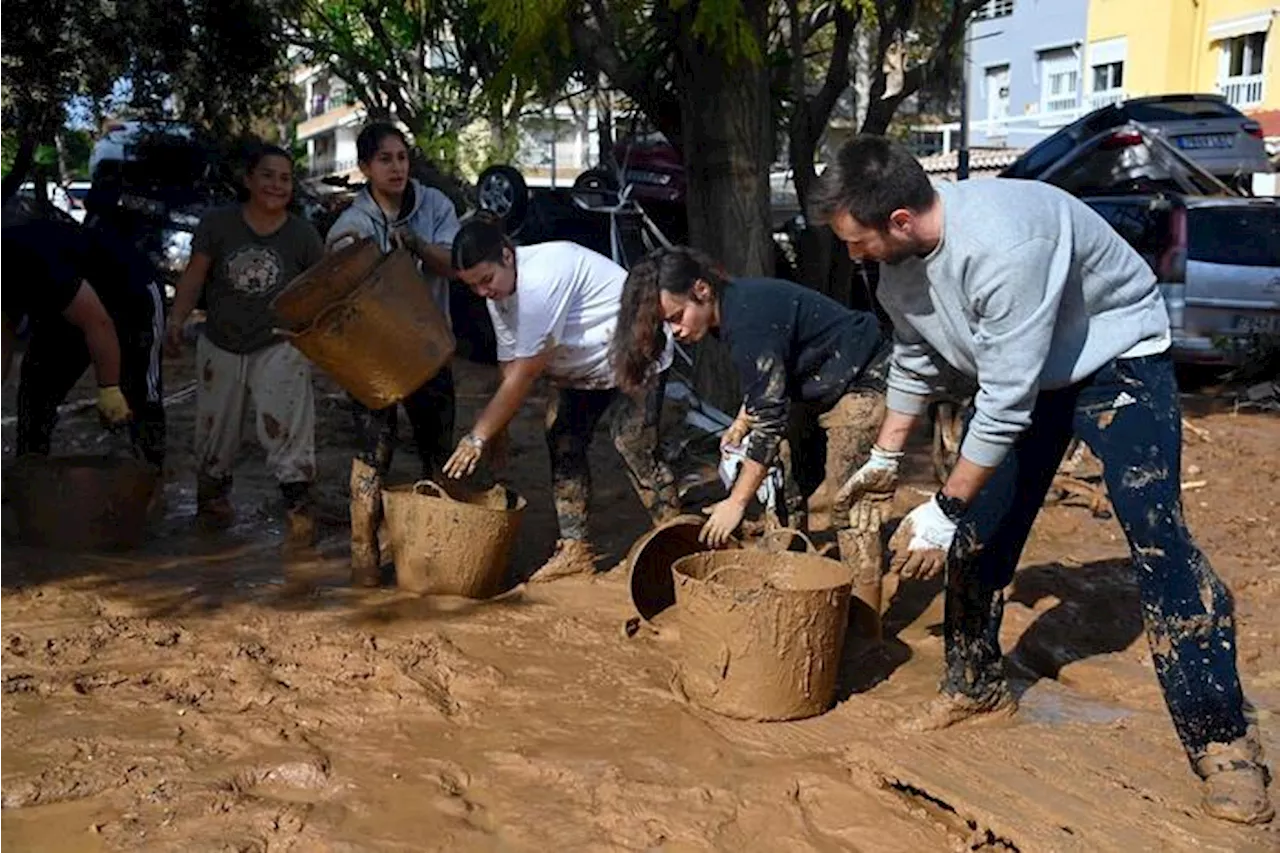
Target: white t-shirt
[567, 298]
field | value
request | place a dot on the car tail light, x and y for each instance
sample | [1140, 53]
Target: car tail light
[1173, 261]
[1252, 128]
[1122, 139]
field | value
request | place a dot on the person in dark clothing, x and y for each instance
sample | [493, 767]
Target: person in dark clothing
[89, 298]
[788, 343]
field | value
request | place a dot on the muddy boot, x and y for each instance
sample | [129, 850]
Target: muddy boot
[366, 508]
[572, 557]
[1235, 782]
[300, 523]
[213, 503]
[948, 709]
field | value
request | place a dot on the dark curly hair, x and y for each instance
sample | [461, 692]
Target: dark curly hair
[639, 341]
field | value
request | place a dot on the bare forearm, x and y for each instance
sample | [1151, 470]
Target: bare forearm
[966, 480]
[750, 477]
[184, 300]
[508, 399]
[895, 430]
[104, 349]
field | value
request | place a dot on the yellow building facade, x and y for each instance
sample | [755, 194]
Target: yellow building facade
[1136, 48]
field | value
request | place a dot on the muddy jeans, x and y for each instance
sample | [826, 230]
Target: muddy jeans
[832, 445]
[572, 417]
[1128, 414]
[431, 415]
[57, 357]
[279, 380]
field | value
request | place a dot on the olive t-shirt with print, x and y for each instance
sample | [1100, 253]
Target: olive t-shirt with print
[247, 271]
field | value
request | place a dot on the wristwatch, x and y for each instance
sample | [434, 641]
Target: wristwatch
[474, 440]
[953, 508]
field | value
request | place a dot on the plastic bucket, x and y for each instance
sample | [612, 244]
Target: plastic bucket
[761, 633]
[384, 339]
[331, 280]
[445, 544]
[81, 503]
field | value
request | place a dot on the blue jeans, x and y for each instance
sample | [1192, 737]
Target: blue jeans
[1128, 414]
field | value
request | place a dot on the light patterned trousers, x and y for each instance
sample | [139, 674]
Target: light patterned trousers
[279, 380]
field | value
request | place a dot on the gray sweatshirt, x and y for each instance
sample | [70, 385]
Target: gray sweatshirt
[1029, 289]
[430, 215]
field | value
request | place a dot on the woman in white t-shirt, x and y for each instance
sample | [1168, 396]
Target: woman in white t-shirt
[555, 311]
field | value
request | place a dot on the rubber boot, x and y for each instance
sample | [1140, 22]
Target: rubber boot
[300, 523]
[366, 513]
[572, 557]
[1235, 781]
[213, 502]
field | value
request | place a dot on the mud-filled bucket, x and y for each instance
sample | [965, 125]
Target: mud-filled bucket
[653, 589]
[81, 503]
[451, 543]
[384, 339]
[331, 280]
[761, 633]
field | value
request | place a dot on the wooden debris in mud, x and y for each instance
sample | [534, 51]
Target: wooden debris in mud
[1199, 432]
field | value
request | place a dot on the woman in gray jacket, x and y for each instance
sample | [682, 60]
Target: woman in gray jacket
[395, 210]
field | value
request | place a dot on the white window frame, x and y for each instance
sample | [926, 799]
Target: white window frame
[992, 118]
[1243, 90]
[1048, 69]
[993, 9]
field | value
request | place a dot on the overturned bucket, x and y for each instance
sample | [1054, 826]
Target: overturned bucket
[451, 544]
[761, 634]
[81, 503]
[383, 339]
[653, 589]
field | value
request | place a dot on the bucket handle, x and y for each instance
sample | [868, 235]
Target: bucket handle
[811, 548]
[316, 320]
[422, 487]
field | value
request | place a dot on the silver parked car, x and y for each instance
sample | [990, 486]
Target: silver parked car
[1210, 132]
[1216, 253]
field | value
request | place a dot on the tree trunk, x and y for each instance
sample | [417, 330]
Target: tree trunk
[726, 113]
[604, 130]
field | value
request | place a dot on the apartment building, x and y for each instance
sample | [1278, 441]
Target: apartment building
[1026, 66]
[1152, 47]
[330, 122]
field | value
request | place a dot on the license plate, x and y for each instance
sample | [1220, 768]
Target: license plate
[1251, 324]
[1207, 140]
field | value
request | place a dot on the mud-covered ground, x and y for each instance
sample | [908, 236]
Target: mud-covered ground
[206, 694]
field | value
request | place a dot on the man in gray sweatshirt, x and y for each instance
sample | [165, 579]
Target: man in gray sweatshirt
[1023, 288]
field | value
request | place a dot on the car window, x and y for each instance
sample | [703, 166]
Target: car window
[1241, 236]
[1142, 223]
[1042, 156]
[1180, 110]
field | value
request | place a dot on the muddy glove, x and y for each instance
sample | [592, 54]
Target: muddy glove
[465, 457]
[876, 480]
[113, 408]
[921, 542]
[725, 518]
[406, 239]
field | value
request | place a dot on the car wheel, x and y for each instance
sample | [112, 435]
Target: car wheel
[502, 191]
[596, 180]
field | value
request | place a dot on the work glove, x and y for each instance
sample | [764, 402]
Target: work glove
[465, 457]
[113, 408]
[921, 542]
[877, 479]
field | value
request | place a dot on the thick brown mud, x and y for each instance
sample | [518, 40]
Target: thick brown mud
[206, 694]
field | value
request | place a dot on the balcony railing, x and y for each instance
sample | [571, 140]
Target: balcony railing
[1098, 100]
[1059, 105]
[322, 166]
[1242, 91]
